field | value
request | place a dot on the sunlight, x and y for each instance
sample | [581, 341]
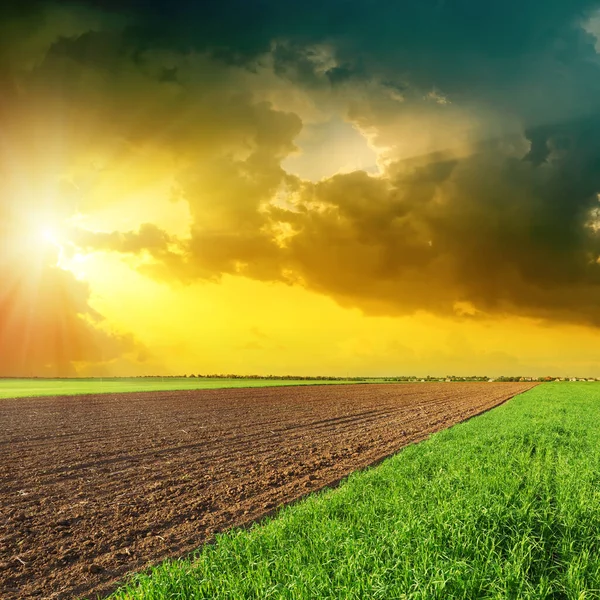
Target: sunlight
[52, 244]
[47, 237]
[75, 264]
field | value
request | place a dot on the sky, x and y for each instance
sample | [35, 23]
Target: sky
[341, 187]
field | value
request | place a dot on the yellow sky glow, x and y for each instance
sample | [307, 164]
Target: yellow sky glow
[281, 329]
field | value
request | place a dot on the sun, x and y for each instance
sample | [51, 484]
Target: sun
[48, 234]
[68, 257]
[50, 243]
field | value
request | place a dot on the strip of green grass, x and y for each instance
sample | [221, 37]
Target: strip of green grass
[506, 505]
[20, 388]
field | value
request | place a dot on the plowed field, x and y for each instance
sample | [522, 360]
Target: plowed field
[92, 487]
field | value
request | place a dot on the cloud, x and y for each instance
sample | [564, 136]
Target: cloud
[48, 326]
[486, 131]
[508, 229]
[593, 26]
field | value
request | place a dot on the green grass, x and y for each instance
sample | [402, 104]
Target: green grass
[20, 388]
[506, 505]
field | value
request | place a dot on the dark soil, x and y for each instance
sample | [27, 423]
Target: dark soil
[94, 487]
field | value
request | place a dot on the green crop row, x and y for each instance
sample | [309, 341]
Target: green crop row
[19, 388]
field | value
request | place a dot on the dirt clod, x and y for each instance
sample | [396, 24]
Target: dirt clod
[95, 569]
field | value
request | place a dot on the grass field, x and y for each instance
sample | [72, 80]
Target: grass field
[20, 388]
[506, 505]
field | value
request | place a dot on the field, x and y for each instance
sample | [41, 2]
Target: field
[506, 505]
[22, 388]
[97, 486]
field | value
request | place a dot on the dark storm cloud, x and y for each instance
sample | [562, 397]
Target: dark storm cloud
[506, 234]
[532, 59]
[443, 42]
[471, 49]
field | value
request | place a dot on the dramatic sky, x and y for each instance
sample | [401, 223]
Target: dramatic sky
[312, 187]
